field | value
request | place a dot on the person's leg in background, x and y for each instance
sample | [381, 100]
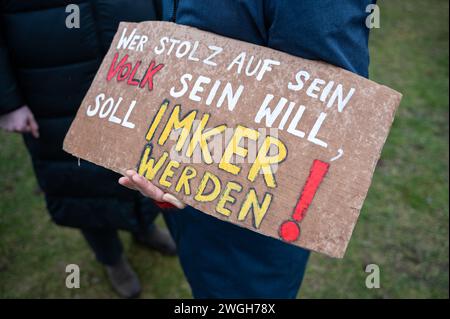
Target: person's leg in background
[139, 221]
[105, 243]
[107, 247]
[148, 234]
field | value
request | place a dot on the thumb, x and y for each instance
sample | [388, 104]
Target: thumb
[169, 198]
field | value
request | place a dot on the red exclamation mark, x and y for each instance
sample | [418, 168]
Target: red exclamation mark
[290, 229]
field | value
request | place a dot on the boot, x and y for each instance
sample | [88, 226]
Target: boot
[123, 279]
[158, 239]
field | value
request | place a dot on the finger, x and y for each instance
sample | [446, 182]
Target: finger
[129, 173]
[34, 127]
[173, 200]
[147, 188]
[125, 181]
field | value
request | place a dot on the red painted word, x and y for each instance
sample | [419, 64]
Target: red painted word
[290, 229]
[127, 71]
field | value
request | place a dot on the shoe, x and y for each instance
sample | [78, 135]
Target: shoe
[123, 279]
[158, 239]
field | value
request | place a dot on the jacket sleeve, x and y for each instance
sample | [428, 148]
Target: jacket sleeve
[10, 97]
[328, 30]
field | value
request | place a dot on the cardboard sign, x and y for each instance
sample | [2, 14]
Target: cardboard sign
[278, 144]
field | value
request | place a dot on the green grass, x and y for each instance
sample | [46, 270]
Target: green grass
[403, 226]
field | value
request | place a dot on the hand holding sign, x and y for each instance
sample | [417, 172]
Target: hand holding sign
[274, 143]
[136, 182]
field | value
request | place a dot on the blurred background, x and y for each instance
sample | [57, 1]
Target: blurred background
[404, 224]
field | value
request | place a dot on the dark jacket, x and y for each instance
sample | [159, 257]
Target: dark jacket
[49, 67]
[222, 260]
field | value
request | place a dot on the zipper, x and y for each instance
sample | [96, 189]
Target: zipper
[174, 12]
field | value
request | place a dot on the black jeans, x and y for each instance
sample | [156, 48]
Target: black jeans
[104, 240]
[106, 244]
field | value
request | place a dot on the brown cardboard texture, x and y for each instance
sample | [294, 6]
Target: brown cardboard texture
[268, 141]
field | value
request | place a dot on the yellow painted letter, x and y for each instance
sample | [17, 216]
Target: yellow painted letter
[147, 166]
[226, 198]
[264, 161]
[251, 203]
[187, 174]
[156, 120]
[212, 195]
[234, 148]
[174, 123]
[167, 173]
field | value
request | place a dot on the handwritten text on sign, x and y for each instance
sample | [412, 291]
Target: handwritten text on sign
[278, 144]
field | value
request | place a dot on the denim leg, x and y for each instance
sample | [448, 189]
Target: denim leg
[222, 260]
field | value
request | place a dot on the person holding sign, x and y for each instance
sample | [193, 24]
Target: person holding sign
[47, 64]
[222, 260]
